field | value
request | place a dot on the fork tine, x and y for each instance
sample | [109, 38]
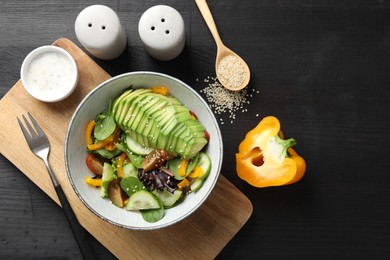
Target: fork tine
[36, 125]
[33, 133]
[24, 131]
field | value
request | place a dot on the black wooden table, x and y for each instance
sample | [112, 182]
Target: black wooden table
[321, 67]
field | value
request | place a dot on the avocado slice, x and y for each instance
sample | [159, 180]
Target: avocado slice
[158, 121]
[193, 146]
[170, 143]
[145, 122]
[148, 111]
[174, 140]
[120, 115]
[135, 107]
[168, 128]
[150, 126]
[169, 99]
[195, 126]
[181, 114]
[139, 111]
[125, 104]
[118, 104]
[127, 118]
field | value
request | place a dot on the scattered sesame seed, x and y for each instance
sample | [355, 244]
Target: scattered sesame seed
[223, 101]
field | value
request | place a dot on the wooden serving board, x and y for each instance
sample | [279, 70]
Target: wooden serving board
[203, 234]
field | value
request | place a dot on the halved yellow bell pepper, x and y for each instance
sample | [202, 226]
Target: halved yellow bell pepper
[265, 159]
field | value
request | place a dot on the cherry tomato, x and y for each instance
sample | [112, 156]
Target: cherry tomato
[207, 136]
[193, 115]
[94, 164]
[154, 160]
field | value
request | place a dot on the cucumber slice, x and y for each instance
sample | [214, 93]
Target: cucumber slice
[107, 176]
[143, 200]
[153, 215]
[192, 163]
[204, 162]
[136, 147]
[196, 184]
[129, 170]
[201, 160]
[168, 199]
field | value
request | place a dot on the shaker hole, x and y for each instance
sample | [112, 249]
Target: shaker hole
[152, 28]
[162, 20]
[103, 27]
[89, 25]
[167, 31]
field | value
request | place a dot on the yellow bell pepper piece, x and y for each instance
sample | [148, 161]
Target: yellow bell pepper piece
[119, 168]
[93, 181]
[183, 167]
[100, 144]
[88, 132]
[195, 173]
[111, 146]
[106, 142]
[265, 159]
[184, 183]
[161, 90]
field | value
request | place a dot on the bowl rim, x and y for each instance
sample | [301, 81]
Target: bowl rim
[38, 51]
[77, 110]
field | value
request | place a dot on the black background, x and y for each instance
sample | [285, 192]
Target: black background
[321, 67]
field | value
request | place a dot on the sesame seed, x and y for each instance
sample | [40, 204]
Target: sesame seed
[231, 71]
[223, 101]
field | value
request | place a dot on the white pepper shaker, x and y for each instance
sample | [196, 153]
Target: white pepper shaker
[99, 30]
[161, 29]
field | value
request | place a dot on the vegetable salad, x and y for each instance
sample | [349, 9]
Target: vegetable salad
[137, 177]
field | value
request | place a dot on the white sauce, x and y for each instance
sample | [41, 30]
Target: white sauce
[50, 75]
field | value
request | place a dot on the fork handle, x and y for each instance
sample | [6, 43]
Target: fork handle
[78, 231]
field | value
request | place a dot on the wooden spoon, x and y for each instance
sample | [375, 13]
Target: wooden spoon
[231, 69]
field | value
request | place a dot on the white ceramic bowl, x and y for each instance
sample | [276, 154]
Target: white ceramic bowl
[49, 73]
[96, 101]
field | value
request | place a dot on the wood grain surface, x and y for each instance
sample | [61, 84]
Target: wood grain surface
[322, 67]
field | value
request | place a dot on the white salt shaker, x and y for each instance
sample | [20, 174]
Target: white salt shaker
[99, 30]
[161, 29]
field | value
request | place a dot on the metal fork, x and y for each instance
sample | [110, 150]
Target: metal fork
[40, 146]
